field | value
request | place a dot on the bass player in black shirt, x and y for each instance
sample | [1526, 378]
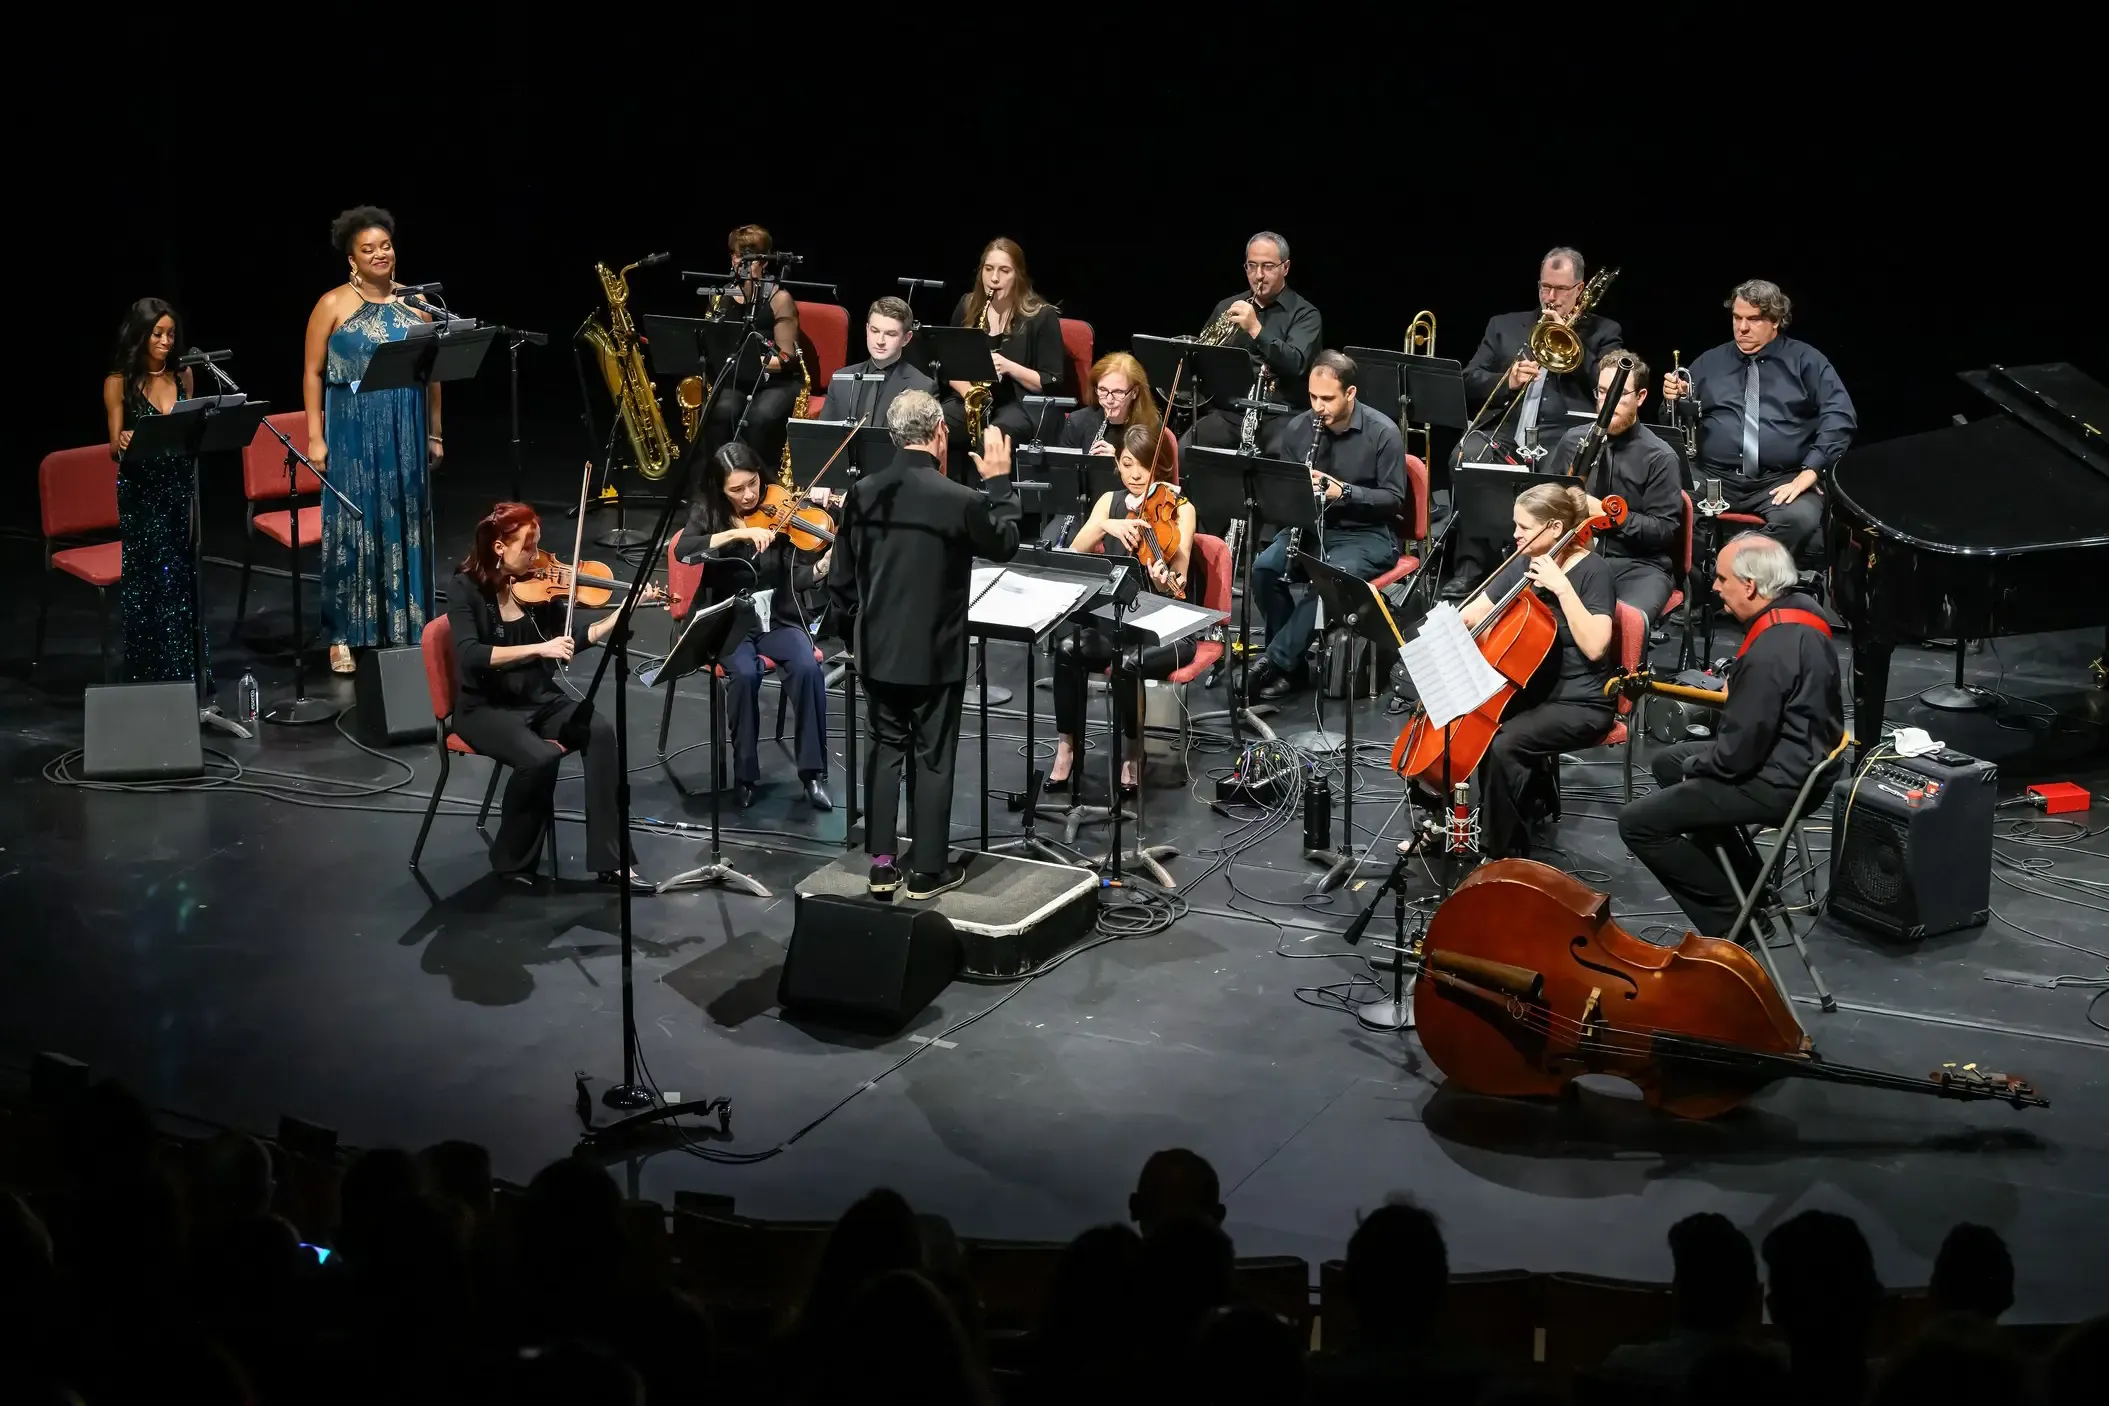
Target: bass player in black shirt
[1784, 715]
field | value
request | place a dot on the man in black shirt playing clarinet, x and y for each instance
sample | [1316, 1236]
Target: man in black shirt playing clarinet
[1634, 465]
[1358, 464]
[1784, 715]
[900, 586]
[1773, 417]
[1276, 325]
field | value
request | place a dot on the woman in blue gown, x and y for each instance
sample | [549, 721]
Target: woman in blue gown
[158, 595]
[376, 446]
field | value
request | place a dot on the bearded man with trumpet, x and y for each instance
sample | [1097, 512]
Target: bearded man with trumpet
[1272, 321]
[1521, 400]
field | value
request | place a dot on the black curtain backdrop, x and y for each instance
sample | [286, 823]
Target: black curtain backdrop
[1924, 220]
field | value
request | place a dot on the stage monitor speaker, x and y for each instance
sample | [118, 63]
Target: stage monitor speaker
[864, 964]
[1911, 844]
[141, 732]
[395, 705]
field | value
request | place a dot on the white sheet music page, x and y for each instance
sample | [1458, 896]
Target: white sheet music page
[1027, 602]
[1447, 669]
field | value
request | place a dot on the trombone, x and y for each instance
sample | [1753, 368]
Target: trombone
[1420, 341]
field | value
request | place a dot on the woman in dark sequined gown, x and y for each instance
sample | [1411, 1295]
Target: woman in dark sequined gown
[158, 597]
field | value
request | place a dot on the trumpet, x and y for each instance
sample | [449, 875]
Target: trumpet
[1684, 410]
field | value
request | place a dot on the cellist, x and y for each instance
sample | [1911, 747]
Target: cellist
[1784, 715]
[1563, 706]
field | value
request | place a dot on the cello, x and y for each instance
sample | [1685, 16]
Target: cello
[1514, 638]
[1526, 983]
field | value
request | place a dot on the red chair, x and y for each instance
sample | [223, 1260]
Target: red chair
[264, 481]
[1683, 576]
[823, 331]
[1076, 341]
[1218, 569]
[444, 684]
[77, 493]
[1413, 523]
[683, 581]
[1629, 641]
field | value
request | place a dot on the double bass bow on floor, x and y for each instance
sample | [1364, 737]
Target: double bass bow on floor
[1527, 983]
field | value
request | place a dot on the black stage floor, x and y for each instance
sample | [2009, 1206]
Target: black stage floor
[237, 958]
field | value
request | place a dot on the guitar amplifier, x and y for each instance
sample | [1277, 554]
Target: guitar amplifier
[1911, 844]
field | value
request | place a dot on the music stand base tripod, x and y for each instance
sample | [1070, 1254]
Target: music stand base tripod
[715, 870]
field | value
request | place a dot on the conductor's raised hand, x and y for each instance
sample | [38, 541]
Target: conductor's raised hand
[994, 460]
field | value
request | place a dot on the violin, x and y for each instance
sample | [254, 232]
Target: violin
[1515, 637]
[1160, 545]
[555, 580]
[1526, 983]
[807, 524]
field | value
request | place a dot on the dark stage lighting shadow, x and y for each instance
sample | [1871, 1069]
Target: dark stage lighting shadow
[488, 938]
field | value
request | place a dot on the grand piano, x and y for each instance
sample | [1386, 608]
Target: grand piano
[1999, 526]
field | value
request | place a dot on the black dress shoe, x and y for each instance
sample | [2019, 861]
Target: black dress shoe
[1260, 674]
[881, 881]
[817, 796]
[613, 879]
[1279, 686]
[931, 885]
[1456, 588]
[744, 793]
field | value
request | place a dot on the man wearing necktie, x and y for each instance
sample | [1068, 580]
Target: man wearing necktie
[1773, 419]
[1526, 407]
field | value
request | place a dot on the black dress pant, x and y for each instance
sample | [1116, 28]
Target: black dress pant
[803, 679]
[768, 410]
[519, 736]
[1640, 584]
[1794, 525]
[913, 727]
[1675, 829]
[1519, 768]
[1080, 653]
[1360, 551]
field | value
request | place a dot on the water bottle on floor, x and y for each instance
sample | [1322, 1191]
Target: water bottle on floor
[249, 698]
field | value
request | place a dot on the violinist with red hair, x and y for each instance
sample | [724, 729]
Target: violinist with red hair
[509, 706]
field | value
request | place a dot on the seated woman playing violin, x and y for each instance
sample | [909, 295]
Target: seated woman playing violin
[1153, 522]
[1563, 705]
[729, 520]
[506, 650]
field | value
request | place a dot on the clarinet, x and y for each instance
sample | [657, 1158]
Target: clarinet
[1310, 458]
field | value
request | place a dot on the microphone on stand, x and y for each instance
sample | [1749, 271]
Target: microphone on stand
[646, 262]
[194, 357]
[934, 284]
[414, 290]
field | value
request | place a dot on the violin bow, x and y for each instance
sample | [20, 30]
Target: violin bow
[578, 547]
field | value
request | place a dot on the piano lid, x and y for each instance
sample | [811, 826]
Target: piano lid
[2056, 400]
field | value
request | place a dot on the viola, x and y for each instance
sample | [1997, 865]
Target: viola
[591, 582]
[1526, 983]
[807, 524]
[1515, 637]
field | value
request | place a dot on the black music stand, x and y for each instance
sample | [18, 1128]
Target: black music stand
[863, 389]
[1354, 608]
[1063, 476]
[673, 346]
[1037, 409]
[1259, 490]
[1486, 494]
[958, 353]
[207, 424]
[1429, 390]
[814, 442]
[707, 638]
[1207, 372]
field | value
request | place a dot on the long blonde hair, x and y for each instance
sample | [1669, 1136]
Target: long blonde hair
[1142, 410]
[1024, 301]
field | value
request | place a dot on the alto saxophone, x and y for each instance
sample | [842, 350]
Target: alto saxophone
[798, 412]
[979, 393]
[629, 384]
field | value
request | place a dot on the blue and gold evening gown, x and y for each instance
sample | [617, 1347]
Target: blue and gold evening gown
[375, 586]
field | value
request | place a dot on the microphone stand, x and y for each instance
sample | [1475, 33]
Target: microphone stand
[300, 710]
[630, 1095]
[515, 338]
[1395, 1014]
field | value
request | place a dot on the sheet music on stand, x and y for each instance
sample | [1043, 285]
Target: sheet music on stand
[1165, 619]
[1449, 673]
[1019, 601]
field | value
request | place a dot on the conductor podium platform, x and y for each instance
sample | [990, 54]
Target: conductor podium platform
[1012, 914]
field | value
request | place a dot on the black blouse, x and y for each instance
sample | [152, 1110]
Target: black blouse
[1035, 341]
[478, 629]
